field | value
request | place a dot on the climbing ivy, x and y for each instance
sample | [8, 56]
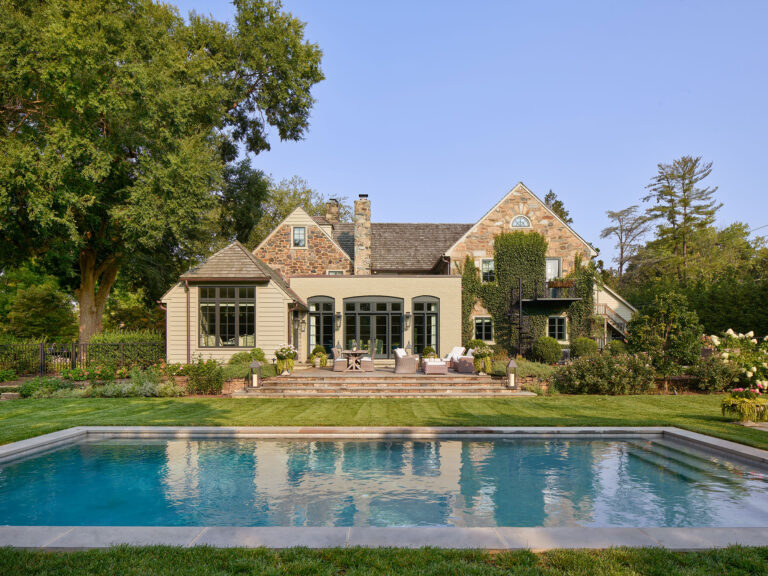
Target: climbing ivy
[581, 317]
[470, 284]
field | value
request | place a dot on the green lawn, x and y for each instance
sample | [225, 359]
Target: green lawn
[21, 419]
[161, 561]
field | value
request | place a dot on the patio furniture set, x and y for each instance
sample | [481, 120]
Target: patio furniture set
[361, 360]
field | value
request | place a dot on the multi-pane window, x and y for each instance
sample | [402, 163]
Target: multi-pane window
[556, 327]
[321, 323]
[521, 222]
[335, 272]
[227, 316]
[483, 329]
[299, 237]
[488, 270]
[426, 323]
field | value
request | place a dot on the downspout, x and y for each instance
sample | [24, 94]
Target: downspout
[447, 261]
[291, 310]
[189, 354]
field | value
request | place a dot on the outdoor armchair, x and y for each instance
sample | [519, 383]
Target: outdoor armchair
[366, 362]
[339, 362]
[406, 363]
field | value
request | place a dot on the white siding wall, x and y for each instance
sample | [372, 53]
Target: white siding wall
[271, 323]
[603, 296]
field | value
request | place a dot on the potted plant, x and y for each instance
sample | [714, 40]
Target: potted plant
[482, 359]
[285, 355]
[318, 358]
[428, 352]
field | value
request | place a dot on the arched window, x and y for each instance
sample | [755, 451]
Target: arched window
[521, 222]
[321, 328]
[426, 323]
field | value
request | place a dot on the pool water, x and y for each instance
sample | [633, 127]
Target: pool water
[531, 482]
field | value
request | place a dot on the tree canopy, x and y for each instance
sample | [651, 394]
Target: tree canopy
[118, 118]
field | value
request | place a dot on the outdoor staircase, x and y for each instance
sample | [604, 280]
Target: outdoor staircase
[383, 386]
[612, 317]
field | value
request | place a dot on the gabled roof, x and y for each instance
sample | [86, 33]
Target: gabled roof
[235, 263]
[403, 247]
[592, 251]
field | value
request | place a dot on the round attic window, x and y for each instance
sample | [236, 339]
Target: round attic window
[521, 222]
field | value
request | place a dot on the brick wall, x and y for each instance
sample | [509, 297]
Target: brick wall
[320, 255]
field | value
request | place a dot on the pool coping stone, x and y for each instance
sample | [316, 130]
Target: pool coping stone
[493, 538]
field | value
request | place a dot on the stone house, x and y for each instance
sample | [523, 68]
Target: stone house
[317, 281]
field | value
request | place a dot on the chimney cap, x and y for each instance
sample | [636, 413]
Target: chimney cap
[363, 196]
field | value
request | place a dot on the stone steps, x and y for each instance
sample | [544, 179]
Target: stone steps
[378, 384]
[362, 390]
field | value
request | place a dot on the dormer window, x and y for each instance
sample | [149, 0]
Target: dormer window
[521, 222]
[299, 237]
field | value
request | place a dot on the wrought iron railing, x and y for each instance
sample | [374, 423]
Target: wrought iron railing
[51, 358]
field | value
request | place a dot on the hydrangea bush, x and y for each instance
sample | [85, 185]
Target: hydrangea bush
[749, 355]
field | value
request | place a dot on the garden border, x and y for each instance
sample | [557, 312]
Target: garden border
[494, 538]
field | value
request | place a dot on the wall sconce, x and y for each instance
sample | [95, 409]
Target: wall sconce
[303, 325]
[407, 319]
[338, 320]
[295, 324]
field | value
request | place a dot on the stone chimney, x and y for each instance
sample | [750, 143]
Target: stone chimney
[332, 211]
[363, 235]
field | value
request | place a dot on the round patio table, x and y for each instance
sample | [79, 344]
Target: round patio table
[354, 357]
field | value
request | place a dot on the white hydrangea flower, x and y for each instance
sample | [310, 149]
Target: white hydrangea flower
[754, 340]
[730, 332]
[750, 334]
[749, 374]
[724, 355]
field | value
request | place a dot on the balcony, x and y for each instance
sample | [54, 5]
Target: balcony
[551, 291]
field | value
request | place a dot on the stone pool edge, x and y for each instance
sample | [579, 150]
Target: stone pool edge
[61, 538]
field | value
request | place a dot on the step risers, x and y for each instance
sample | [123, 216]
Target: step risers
[381, 394]
[311, 385]
[381, 381]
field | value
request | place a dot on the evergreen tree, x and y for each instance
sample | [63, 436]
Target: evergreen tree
[681, 207]
[557, 206]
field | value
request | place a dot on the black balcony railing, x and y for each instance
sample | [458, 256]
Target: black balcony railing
[549, 290]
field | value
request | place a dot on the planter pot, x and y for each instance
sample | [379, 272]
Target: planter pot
[560, 284]
[316, 363]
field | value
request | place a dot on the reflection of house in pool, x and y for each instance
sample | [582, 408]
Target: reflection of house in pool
[461, 483]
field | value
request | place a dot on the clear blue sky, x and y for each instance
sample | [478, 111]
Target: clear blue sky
[437, 109]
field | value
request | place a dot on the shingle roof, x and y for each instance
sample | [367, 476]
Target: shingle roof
[403, 247]
[237, 263]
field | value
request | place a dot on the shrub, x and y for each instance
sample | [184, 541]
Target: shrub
[103, 373]
[127, 337]
[428, 352]
[231, 371]
[603, 374]
[7, 374]
[473, 344]
[43, 387]
[205, 377]
[240, 358]
[546, 349]
[268, 371]
[747, 354]
[140, 385]
[75, 374]
[668, 331]
[616, 347]
[529, 369]
[500, 354]
[42, 311]
[713, 375]
[583, 346]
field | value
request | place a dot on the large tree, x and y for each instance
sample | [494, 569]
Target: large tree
[681, 206]
[118, 117]
[628, 227]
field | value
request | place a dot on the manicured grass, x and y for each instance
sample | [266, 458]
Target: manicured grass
[21, 419]
[161, 561]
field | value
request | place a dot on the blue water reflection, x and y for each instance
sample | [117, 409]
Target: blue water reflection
[533, 482]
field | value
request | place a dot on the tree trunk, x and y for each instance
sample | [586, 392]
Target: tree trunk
[95, 285]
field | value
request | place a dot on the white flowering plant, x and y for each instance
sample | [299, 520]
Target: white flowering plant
[749, 355]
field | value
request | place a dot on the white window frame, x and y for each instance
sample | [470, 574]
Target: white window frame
[335, 272]
[493, 262]
[527, 219]
[293, 238]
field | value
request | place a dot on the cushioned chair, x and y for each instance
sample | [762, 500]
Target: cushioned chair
[366, 362]
[455, 353]
[339, 363]
[406, 363]
[434, 366]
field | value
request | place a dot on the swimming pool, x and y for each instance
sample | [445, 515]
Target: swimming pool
[462, 482]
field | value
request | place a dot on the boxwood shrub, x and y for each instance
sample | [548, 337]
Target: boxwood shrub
[546, 349]
[604, 374]
[617, 347]
[583, 347]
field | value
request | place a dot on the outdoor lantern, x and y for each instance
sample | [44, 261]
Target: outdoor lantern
[253, 373]
[338, 319]
[303, 325]
[512, 374]
[407, 319]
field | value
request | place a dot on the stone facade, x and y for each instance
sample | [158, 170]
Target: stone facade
[332, 211]
[362, 236]
[478, 242]
[320, 255]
